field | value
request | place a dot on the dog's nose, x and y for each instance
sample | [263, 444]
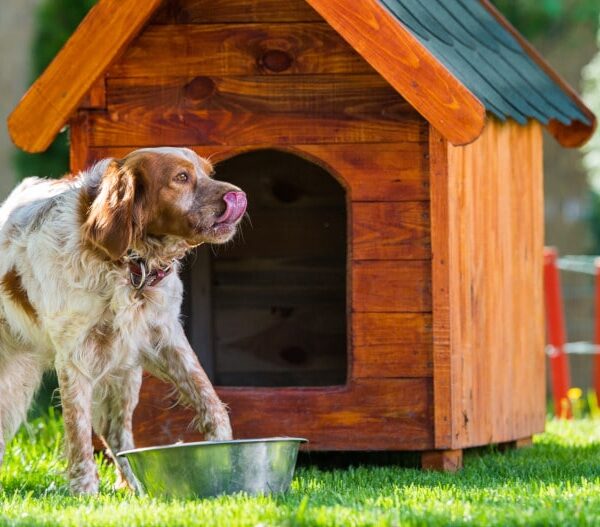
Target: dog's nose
[235, 206]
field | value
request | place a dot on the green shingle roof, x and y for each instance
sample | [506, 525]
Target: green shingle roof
[483, 55]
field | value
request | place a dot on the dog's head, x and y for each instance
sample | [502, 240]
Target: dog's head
[160, 192]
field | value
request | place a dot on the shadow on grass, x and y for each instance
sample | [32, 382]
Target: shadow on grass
[343, 460]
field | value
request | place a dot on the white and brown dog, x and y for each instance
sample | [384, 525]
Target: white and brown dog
[89, 286]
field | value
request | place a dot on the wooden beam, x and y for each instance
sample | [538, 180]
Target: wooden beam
[79, 142]
[523, 442]
[442, 460]
[408, 66]
[366, 414]
[102, 35]
[443, 389]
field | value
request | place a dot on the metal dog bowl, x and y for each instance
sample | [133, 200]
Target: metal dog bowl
[210, 468]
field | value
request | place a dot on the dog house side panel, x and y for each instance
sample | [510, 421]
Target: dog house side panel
[488, 303]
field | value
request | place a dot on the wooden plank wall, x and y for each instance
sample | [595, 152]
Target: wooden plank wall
[225, 77]
[487, 286]
[245, 80]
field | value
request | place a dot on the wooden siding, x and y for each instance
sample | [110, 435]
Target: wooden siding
[205, 110]
[487, 222]
[391, 286]
[370, 414]
[396, 230]
[238, 49]
[247, 83]
[391, 345]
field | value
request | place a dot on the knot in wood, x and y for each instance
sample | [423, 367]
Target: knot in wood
[199, 88]
[276, 60]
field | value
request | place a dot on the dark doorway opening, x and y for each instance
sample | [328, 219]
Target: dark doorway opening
[269, 308]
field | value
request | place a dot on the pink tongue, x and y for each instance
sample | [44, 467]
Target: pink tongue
[236, 206]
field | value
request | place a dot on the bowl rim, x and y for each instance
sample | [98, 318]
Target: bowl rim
[212, 443]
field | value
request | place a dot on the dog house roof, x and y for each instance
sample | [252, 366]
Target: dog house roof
[453, 60]
[488, 59]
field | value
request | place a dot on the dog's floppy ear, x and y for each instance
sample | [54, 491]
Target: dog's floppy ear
[109, 224]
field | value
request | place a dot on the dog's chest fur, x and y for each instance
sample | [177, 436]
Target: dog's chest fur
[57, 295]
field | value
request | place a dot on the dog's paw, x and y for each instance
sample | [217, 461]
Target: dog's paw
[220, 429]
[132, 485]
[84, 485]
[126, 480]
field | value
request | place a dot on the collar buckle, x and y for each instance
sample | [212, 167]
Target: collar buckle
[140, 277]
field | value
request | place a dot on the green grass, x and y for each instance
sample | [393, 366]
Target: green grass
[556, 482]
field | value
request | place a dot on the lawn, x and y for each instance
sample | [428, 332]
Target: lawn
[555, 482]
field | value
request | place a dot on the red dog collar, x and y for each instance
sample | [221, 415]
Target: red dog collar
[140, 277]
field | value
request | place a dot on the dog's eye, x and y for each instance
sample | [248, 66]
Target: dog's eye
[182, 177]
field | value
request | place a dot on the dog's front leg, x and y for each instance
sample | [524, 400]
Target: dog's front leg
[112, 420]
[175, 361]
[76, 397]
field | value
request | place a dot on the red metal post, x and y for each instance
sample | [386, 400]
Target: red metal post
[597, 328]
[555, 324]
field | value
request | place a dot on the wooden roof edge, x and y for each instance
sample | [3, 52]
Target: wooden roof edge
[392, 50]
[577, 133]
[104, 32]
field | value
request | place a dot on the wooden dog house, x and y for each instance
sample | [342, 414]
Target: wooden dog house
[389, 293]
